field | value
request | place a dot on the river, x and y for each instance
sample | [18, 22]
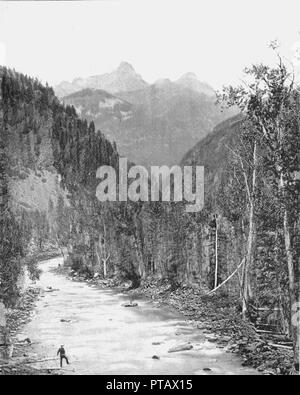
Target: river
[103, 337]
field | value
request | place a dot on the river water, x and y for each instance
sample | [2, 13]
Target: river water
[103, 337]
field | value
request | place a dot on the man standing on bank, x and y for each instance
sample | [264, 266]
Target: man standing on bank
[62, 354]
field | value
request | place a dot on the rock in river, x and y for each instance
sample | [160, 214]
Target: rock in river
[130, 304]
[181, 347]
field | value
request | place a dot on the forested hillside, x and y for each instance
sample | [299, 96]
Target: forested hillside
[249, 225]
[32, 194]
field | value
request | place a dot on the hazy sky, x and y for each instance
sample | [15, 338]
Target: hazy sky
[216, 39]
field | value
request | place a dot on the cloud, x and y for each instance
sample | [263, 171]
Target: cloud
[2, 54]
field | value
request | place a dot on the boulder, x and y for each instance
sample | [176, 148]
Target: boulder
[130, 304]
[50, 289]
[211, 338]
[22, 339]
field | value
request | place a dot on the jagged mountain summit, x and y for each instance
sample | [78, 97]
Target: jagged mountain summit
[124, 78]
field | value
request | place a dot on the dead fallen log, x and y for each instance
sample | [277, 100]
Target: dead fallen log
[12, 364]
[290, 344]
[22, 344]
[280, 346]
[262, 331]
[39, 361]
[279, 337]
[266, 325]
[53, 369]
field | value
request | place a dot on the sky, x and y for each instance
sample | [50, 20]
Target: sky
[216, 39]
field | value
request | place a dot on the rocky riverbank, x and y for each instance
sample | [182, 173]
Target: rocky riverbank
[16, 353]
[17, 350]
[219, 315]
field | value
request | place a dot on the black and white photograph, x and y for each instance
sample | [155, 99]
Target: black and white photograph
[149, 190]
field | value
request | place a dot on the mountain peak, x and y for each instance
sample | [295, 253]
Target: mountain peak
[190, 80]
[188, 76]
[122, 79]
[126, 67]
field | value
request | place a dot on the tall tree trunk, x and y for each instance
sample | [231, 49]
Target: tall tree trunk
[283, 306]
[251, 237]
[293, 273]
[104, 268]
[139, 248]
[104, 252]
[294, 278]
[248, 262]
[97, 253]
[216, 255]
[139, 258]
[105, 260]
